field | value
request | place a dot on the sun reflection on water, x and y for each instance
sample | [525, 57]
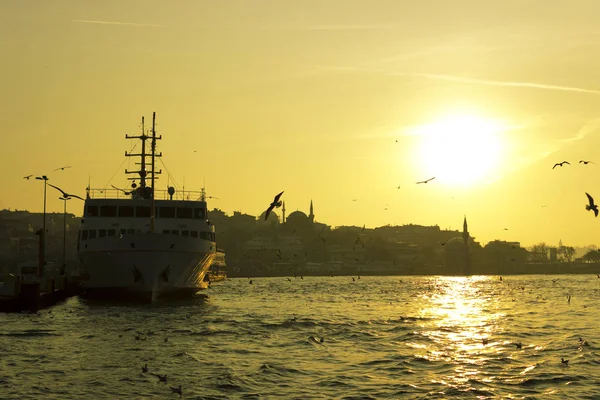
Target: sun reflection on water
[461, 320]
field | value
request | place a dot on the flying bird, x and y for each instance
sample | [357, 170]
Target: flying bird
[27, 177]
[427, 180]
[62, 168]
[65, 194]
[276, 203]
[122, 190]
[585, 162]
[591, 205]
[560, 164]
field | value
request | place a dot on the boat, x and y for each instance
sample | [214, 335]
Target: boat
[218, 269]
[144, 243]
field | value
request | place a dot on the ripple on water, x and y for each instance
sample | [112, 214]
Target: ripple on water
[421, 338]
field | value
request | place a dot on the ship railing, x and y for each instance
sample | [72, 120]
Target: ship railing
[158, 194]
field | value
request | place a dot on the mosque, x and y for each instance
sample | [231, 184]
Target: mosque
[297, 220]
[457, 257]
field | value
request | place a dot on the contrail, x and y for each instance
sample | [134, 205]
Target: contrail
[453, 78]
[330, 28]
[87, 21]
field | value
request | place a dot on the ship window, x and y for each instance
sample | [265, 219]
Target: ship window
[194, 234]
[203, 235]
[123, 232]
[184, 212]
[126, 211]
[92, 234]
[130, 231]
[174, 232]
[92, 211]
[101, 232]
[112, 232]
[199, 213]
[142, 211]
[84, 234]
[166, 212]
[185, 233]
[108, 211]
[166, 231]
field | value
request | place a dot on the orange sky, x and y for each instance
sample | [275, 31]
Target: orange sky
[327, 100]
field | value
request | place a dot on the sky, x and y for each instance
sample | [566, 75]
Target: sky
[328, 100]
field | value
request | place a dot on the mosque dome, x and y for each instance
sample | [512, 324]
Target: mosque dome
[297, 219]
[456, 243]
[272, 219]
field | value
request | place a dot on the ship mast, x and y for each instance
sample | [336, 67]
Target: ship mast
[144, 191]
[153, 149]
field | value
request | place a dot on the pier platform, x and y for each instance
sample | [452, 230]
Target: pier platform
[18, 294]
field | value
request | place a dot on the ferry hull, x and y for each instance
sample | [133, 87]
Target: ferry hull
[145, 266]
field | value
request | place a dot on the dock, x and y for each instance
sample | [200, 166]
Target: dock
[22, 292]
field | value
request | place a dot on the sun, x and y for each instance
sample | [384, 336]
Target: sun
[460, 149]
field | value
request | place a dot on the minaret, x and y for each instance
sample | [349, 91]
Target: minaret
[465, 235]
[311, 216]
[283, 211]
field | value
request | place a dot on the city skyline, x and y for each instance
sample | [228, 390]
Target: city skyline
[354, 102]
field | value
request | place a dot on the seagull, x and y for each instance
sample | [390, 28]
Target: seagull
[122, 190]
[27, 177]
[276, 203]
[519, 345]
[591, 205]
[563, 361]
[561, 164]
[65, 194]
[427, 180]
[63, 168]
[585, 162]
[176, 389]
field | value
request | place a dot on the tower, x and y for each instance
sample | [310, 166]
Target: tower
[467, 257]
[283, 213]
[311, 215]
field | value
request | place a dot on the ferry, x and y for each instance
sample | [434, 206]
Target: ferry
[144, 243]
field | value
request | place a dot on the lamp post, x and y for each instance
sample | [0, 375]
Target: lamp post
[42, 255]
[64, 264]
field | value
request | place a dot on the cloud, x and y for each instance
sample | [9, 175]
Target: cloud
[453, 78]
[86, 21]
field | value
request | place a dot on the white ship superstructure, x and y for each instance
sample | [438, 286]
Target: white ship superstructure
[144, 242]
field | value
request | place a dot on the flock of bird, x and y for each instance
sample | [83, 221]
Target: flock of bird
[591, 206]
[65, 195]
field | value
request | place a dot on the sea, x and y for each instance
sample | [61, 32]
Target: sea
[394, 337]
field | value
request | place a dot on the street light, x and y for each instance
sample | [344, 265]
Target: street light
[64, 264]
[42, 255]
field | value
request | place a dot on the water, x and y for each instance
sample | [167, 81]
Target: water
[384, 337]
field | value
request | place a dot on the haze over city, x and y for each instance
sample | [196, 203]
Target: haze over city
[330, 101]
